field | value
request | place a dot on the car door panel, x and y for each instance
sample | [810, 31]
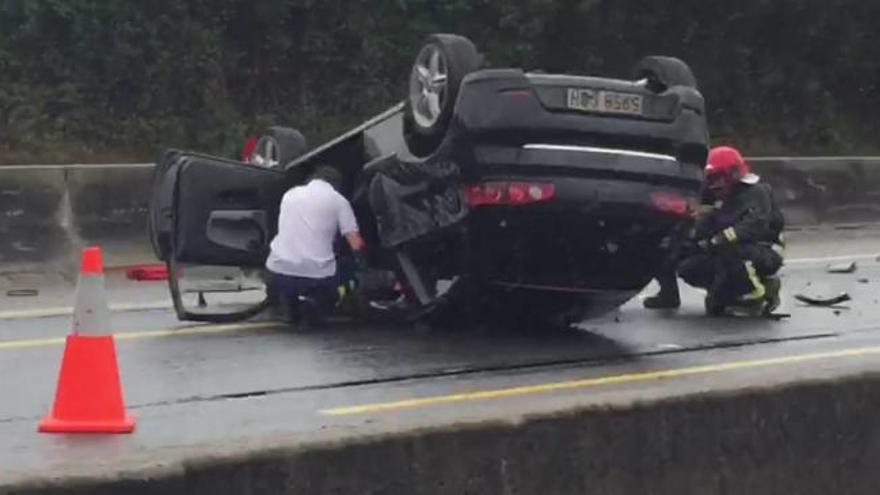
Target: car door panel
[242, 230]
[225, 212]
[211, 221]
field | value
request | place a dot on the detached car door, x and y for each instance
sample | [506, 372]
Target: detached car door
[211, 221]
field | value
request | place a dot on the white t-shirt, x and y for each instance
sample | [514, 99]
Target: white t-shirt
[310, 218]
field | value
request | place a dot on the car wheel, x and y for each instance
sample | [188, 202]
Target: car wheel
[662, 73]
[277, 147]
[434, 81]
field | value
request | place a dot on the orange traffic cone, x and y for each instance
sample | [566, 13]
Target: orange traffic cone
[89, 394]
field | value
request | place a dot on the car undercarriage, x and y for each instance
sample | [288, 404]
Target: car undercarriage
[491, 193]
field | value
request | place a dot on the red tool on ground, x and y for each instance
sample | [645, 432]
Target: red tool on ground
[89, 394]
[147, 272]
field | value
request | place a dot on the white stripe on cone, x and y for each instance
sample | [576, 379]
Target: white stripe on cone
[91, 314]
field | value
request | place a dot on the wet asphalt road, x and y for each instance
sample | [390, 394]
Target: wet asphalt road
[218, 387]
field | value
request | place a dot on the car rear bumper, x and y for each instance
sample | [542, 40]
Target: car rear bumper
[602, 230]
[606, 247]
[595, 235]
[545, 159]
[507, 106]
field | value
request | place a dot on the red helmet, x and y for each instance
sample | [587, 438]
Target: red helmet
[725, 166]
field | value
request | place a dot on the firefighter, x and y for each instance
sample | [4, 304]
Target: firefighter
[737, 247]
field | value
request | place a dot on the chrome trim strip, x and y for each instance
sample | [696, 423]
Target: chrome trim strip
[590, 149]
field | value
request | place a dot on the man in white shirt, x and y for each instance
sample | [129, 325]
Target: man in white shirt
[302, 262]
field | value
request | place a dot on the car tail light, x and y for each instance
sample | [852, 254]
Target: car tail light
[249, 145]
[508, 193]
[670, 203]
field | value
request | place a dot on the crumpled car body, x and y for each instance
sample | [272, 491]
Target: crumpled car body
[535, 205]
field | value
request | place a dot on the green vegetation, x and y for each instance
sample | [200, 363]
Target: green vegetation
[116, 79]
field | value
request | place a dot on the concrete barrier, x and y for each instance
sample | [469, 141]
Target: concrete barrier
[48, 212]
[808, 437]
[109, 203]
[824, 190]
[33, 226]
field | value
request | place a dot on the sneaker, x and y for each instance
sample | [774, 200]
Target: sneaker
[662, 301]
[387, 305]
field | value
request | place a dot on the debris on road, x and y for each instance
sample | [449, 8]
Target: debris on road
[823, 301]
[863, 280]
[842, 268]
[147, 272]
[22, 293]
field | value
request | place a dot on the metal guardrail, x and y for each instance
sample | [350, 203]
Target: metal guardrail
[75, 166]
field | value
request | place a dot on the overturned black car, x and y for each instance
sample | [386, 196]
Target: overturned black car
[518, 196]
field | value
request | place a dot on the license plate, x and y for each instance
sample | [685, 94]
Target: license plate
[591, 100]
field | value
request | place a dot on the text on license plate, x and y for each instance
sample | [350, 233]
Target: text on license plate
[591, 100]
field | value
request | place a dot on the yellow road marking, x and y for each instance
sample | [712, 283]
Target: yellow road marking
[145, 334]
[594, 382]
[829, 259]
[21, 314]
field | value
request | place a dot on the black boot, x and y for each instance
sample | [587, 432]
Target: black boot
[772, 299]
[662, 300]
[667, 297]
[713, 306]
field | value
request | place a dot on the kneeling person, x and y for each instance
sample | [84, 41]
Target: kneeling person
[740, 239]
[302, 263]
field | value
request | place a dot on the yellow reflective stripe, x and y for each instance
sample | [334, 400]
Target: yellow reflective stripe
[705, 209]
[759, 290]
[341, 291]
[778, 249]
[730, 234]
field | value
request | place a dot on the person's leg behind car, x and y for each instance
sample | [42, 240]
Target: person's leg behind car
[668, 296]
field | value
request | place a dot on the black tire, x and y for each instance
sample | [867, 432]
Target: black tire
[459, 57]
[289, 145]
[663, 73]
